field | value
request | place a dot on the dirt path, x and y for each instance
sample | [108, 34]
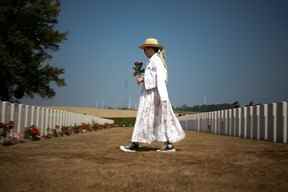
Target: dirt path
[93, 162]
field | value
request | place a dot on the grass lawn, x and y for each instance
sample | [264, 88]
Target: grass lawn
[93, 162]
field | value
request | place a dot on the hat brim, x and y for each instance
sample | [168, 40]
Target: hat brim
[150, 45]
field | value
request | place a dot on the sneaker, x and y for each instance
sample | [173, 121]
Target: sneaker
[131, 147]
[168, 147]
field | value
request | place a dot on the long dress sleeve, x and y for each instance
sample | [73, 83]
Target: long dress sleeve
[150, 77]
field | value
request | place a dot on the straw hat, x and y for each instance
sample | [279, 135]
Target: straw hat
[151, 42]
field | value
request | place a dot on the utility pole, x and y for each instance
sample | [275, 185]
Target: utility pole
[205, 100]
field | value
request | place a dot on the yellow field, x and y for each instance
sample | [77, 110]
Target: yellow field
[99, 112]
[103, 112]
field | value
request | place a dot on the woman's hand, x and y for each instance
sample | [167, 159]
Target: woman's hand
[139, 79]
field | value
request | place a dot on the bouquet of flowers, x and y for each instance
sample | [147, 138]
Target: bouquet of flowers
[138, 70]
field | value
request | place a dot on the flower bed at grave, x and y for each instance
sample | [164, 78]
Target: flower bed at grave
[8, 135]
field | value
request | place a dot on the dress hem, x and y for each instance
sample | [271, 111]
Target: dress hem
[158, 140]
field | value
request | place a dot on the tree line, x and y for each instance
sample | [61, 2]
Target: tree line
[212, 107]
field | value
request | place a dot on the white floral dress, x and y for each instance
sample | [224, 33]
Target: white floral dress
[155, 120]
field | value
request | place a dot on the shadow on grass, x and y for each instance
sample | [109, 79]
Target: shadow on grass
[151, 149]
[147, 148]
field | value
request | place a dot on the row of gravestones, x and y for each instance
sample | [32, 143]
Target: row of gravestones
[43, 117]
[260, 122]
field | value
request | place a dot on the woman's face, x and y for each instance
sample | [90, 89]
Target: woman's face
[149, 51]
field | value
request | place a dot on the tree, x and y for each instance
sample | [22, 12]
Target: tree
[27, 39]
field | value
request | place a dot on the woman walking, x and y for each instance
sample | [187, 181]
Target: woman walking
[155, 120]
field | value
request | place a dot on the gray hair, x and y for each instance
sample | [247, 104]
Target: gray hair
[162, 54]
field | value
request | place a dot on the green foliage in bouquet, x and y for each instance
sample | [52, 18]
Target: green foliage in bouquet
[138, 68]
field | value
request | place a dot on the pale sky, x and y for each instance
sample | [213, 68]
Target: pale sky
[218, 51]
